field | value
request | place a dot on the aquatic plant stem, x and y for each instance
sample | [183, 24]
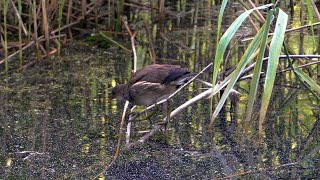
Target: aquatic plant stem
[288, 30]
[132, 36]
[5, 41]
[116, 154]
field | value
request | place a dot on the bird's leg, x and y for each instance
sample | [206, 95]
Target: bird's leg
[153, 112]
[167, 110]
[132, 114]
[148, 116]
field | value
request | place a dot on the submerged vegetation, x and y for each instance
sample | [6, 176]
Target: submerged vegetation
[256, 124]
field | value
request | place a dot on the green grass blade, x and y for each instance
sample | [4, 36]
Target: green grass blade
[305, 78]
[275, 50]
[257, 70]
[246, 58]
[310, 20]
[60, 14]
[5, 35]
[226, 38]
[20, 33]
[223, 7]
[115, 42]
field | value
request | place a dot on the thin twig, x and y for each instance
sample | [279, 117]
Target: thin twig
[260, 170]
[132, 36]
[282, 57]
[302, 66]
[152, 51]
[116, 154]
[41, 38]
[288, 30]
[156, 128]
[115, 42]
[19, 17]
[315, 9]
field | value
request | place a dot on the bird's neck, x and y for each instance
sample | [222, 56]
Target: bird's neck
[125, 92]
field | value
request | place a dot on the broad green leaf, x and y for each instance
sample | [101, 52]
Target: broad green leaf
[223, 6]
[310, 20]
[226, 38]
[257, 70]
[246, 58]
[275, 50]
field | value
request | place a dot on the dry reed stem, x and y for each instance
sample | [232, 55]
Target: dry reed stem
[40, 39]
[45, 23]
[288, 30]
[152, 51]
[118, 144]
[316, 11]
[19, 17]
[178, 110]
[45, 37]
[259, 171]
[132, 36]
[261, 18]
[35, 24]
[83, 8]
[68, 17]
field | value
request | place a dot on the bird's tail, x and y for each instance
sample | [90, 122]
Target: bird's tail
[178, 76]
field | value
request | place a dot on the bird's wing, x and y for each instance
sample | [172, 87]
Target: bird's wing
[155, 73]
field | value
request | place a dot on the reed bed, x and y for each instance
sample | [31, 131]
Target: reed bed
[45, 26]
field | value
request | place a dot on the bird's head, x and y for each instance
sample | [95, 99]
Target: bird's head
[119, 92]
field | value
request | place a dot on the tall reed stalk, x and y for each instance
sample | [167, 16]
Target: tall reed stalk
[61, 5]
[35, 25]
[20, 33]
[30, 15]
[95, 13]
[109, 14]
[45, 23]
[68, 17]
[119, 15]
[83, 11]
[5, 41]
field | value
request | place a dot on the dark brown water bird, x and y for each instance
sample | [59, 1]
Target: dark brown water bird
[151, 84]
